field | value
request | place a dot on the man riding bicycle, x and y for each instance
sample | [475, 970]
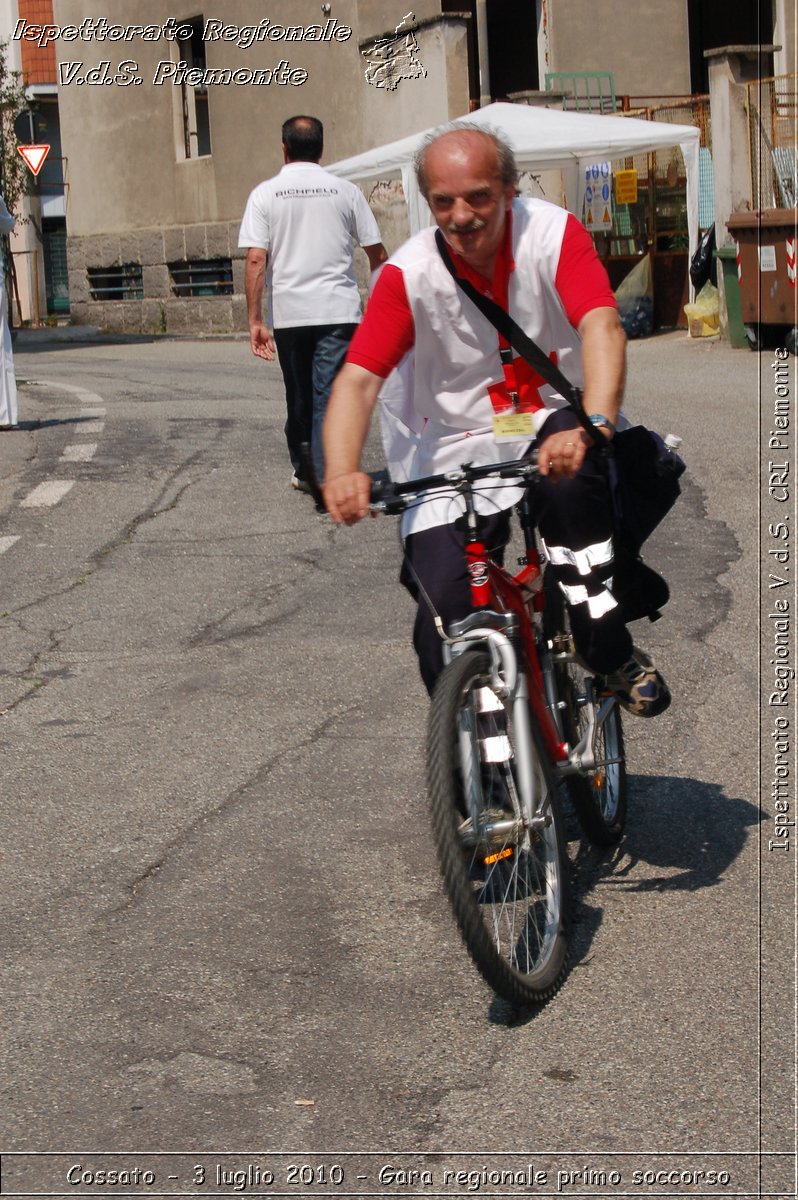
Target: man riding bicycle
[461, 395]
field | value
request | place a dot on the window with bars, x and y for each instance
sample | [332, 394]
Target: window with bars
[122, 282]
[202, 277]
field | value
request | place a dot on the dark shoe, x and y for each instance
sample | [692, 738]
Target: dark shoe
[298, 484]
[639, 687]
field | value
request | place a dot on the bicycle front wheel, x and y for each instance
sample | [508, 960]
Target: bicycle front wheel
[507, 882]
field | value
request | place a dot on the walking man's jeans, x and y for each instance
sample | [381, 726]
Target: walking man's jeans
[310, 358]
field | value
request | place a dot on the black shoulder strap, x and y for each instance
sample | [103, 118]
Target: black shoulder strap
[512, 332]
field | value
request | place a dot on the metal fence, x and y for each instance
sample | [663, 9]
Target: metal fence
[587, 91]
[659, 220]
[772, 125]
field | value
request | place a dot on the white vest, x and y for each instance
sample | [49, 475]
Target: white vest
[436, 411]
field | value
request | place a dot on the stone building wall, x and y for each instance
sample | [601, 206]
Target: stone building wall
[160, 310]
[139, 204]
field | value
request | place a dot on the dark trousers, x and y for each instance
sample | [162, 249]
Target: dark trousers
[436, 558]
[310, 358]
[574, 513]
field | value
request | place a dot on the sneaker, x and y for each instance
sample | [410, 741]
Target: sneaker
[639, 687]
[298, 484]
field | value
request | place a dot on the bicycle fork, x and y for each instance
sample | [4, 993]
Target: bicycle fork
[495, 630]
[508, 689]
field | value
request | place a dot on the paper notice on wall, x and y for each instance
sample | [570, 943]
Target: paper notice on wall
[598, 197]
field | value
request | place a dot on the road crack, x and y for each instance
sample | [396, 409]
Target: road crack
[31, 674]
[158, 509]
[258, 778]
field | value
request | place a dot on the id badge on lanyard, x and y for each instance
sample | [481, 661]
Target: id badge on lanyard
[513, 426]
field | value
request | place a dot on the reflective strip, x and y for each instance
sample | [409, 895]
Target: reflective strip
[493, 747]
[596, 555]
[598, 605]
[488, 701]
[496, 749]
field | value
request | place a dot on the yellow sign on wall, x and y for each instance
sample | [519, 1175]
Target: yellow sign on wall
[626, 187]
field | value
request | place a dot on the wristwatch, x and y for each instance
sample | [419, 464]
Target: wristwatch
[600, 419]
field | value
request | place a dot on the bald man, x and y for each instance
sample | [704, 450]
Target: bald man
[462, 381]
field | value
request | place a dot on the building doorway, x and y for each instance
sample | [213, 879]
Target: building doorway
[512, 46]
[715, 23]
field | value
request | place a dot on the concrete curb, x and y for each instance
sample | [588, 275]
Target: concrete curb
[29, 339]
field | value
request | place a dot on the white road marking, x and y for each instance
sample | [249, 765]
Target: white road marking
[47, 494]
[81, 394]
[51, 491]
[80, 452]
[7, 542]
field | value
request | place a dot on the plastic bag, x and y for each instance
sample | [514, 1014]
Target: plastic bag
[703, 267]
[703, 316]
[635, 297]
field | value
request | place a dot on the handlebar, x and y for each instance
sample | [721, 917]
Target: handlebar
[392, 498]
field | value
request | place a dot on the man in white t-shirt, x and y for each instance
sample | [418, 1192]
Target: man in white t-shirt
[303, 224]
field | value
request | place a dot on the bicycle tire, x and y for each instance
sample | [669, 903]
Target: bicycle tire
[599, 796]
[509, 891]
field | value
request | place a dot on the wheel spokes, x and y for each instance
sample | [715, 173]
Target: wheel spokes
[502, 865]
[516, 889]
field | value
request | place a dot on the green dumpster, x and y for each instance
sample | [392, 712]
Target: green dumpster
[727, 256]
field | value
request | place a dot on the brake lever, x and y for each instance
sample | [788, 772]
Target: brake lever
[527, 471]
[384, 498]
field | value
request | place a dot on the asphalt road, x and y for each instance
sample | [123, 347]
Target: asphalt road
[220, 902]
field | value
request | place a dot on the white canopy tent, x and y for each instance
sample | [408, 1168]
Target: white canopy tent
[543, 139]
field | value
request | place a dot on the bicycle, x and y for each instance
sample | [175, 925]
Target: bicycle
[512, 716]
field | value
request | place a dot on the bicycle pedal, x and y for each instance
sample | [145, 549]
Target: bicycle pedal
[562, 645]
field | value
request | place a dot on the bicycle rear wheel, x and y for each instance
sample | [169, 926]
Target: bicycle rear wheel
[507, 884]
[599, 794]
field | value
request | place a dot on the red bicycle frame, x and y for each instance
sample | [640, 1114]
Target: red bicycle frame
[493, 588]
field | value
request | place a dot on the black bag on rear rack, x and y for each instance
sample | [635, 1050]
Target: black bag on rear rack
[644, 482]
[644, 477]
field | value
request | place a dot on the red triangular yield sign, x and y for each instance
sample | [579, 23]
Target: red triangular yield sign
[34, 156]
